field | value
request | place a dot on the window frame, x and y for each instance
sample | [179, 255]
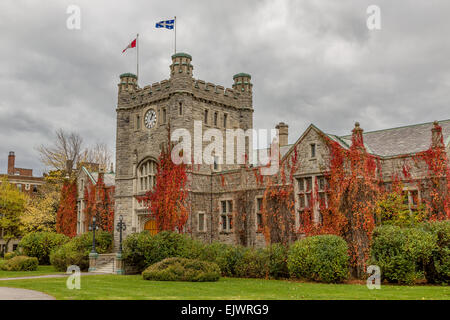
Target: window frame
[146, 175]
[228, 215]
[258, 213]
[204, 222]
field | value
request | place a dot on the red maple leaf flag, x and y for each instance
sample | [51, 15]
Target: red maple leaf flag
[131, 45]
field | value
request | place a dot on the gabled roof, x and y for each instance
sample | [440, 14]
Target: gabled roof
[388, 142]
[109, 178]
[401, 140]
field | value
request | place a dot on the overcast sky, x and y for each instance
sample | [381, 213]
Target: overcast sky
[311, 61]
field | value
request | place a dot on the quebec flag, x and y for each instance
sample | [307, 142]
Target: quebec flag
[168, 24]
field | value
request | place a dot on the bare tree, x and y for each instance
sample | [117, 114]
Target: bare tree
[66, 151]
[99, 154]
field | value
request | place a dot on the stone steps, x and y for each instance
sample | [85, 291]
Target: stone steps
[106, 268]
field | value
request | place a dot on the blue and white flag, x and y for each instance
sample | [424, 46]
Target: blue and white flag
[168, 24]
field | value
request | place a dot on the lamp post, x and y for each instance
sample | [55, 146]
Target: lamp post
[121, 226]
[93, 255]
[93, 227]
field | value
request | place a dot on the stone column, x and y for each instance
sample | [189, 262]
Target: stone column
[93, 261]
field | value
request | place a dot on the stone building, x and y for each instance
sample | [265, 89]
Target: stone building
[89, 174]
[143, 117]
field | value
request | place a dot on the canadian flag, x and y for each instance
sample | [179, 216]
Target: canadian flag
[131, 45]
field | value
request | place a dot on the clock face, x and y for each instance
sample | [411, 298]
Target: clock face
[150, 118]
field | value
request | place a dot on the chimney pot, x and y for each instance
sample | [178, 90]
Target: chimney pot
[283, 133]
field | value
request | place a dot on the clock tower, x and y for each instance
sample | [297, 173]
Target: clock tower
[143, 117]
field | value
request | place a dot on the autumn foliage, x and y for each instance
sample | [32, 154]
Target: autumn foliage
[66, 217]
[438, 177]
[167, 202]
[100, 203]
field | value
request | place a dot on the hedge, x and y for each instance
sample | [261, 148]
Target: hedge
[181, 269]
[76, 251]
[20, 263]
[437, 270]
[143, 249]
[41, 244]
[322, 258]
[401, 253]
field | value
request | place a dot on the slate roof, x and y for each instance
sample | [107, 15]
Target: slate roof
[401, 140]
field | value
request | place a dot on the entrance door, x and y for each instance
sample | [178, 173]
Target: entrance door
[150, 226]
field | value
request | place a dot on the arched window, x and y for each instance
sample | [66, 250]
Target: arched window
[146, 175]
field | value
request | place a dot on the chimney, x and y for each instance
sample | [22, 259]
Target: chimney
[437, 139]
[101, 175]
[283, 133]
[357, 136]
[11, 162]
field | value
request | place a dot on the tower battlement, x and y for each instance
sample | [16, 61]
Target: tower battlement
[182, 81]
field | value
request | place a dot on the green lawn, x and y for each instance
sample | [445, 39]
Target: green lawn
[41, 270]
[134, 287]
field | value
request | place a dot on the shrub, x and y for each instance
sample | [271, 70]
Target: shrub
[253, 263]
[142, 249]
[437, 270]
[76, 251]
[278, 256]
[228, 258]
[401, 253]
[41, 244]
[10, 255]
[181, 269]
[321, 258]
[20, 263]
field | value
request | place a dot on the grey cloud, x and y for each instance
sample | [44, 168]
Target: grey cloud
[311, 61]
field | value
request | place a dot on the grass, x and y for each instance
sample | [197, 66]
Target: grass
[41, 270]
[105, 287]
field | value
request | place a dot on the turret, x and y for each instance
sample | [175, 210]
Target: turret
[243, 87]
[242, 83]
[181, 65]
[128, 82]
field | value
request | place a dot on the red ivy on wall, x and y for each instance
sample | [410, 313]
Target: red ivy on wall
[438, 176]
[66, 217]
[100, 203]
[167, 202]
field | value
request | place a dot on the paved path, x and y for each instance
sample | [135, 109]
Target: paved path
[22, 294]
[53, 276]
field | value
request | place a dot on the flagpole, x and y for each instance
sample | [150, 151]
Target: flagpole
[175, 22]
[137, 57]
